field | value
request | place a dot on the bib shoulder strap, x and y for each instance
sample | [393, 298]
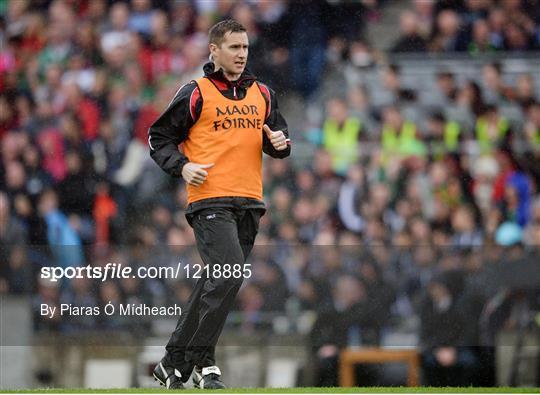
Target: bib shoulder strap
[205, 84]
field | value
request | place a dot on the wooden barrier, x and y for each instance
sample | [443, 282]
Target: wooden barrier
[355, 355]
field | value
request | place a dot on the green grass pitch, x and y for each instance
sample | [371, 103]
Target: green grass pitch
[302, 390]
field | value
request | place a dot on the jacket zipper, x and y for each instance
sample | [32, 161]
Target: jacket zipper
[234, 91]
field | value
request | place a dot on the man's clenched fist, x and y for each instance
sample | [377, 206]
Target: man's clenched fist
[278, 139]
[194, 173]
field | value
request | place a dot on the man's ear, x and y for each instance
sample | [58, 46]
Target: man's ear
[213, 48]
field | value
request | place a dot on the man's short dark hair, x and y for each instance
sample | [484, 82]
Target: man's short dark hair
[217, 32]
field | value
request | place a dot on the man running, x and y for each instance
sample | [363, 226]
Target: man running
[225, 121]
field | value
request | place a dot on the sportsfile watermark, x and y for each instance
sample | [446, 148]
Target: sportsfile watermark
[110, 271]
[118, 271]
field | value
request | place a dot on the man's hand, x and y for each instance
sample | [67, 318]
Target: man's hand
[278, 139]
[194, 173]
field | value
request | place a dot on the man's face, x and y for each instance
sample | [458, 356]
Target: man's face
[232, 54]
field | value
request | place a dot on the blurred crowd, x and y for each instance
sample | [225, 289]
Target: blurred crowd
[397, 213]
[473, 26]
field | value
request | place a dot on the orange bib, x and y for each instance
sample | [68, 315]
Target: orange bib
[228, 133]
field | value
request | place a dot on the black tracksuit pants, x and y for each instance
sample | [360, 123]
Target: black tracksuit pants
[224, 235]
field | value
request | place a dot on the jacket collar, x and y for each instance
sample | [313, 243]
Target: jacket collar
[246, 78]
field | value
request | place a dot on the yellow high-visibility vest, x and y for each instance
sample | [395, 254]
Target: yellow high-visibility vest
[406, 143]
[450, 140]
[342, 144]
[452, 131]
[482, 136]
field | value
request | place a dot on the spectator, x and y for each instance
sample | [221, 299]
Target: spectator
[360, 107]
[411, 40]
[15, 178]
[447, 359]
[532, 125]
[117, 33]
[525, 94]
[78, 73]
[517, 200]
[87, 41]
[466, 233]
[492, 129]
[281, 202]
[361, 55]
[75, 190]
[162, 56]
[480, 42]
[12, 232]
[347, 19]
[352, 192]
[424, 11]
[400, 136]
[447, 88]
[58, 48]
[531, 233]
[140, 19]
[104, 211]
[516, 38]
[341, 133]
[442, 136]
[381, 296]
[86, 110]
[48, 293]
[447, 36]
[485, 171]
[311, 294]
[271, 281]
[470, 99]
[308, 35]
[473, 11]
[495, 90]
[7, 119]
[63, 241]
[109, 292]
[340, 325]
[497, 20]
[391, 80]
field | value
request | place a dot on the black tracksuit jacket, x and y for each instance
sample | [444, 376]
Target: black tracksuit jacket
[173, 126]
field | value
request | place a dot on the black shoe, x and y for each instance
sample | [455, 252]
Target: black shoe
[168, 376]
[208, 378]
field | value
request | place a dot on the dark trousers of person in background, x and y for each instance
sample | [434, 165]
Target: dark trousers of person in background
[461, 374]
[224, 236]
[366, 375]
